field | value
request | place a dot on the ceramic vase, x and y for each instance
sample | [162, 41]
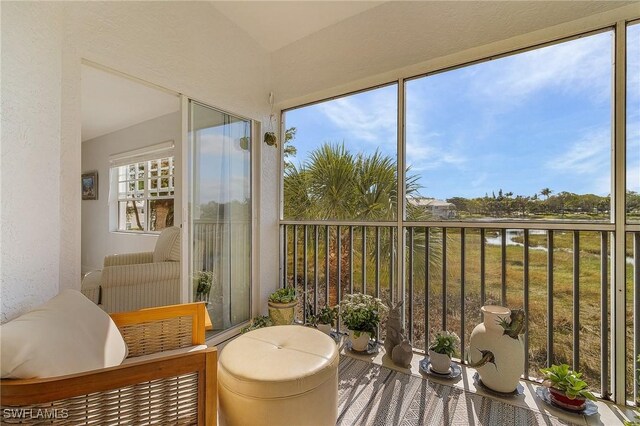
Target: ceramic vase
[440, 363]
[360, 343]
[501, 356]
[325, 328]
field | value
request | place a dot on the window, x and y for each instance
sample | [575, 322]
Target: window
[145, 195]
[526, 136]
[340, 158]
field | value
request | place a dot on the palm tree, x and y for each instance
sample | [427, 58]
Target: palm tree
[334, 184]
[546, 192]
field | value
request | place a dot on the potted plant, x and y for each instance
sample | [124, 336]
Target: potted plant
[282, 305]
[362, 314]
[256, 323]
[442, 348]
[566, 387]
[270, 139]
[326, 319]
[203, 281]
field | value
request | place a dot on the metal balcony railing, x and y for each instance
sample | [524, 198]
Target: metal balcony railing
[559, 274]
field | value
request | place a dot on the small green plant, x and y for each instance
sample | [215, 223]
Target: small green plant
[514, 326]
[362, 313]
[203, 281]
[562, 378]
[445, 343]
[284, 295]
[256, 323]
[327, 315]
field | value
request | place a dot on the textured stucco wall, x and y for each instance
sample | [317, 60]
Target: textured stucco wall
[97, 239]
[30, 155]
[188, 47]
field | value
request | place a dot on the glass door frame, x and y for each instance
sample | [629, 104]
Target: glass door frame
[187, 251]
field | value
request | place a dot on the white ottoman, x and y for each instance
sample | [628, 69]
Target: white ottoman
[283, 375]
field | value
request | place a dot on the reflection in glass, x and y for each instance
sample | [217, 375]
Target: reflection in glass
[220, 206]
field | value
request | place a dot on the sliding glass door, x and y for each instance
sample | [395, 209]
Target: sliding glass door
[220, 214]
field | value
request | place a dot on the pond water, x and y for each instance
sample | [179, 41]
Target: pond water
[513, 233]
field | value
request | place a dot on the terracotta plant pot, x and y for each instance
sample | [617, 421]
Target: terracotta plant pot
[559, 398]
[282, 313]
[361, 343]
[325, 328]
[440, 363]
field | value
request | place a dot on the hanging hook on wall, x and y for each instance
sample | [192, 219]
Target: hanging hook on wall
[270, 137]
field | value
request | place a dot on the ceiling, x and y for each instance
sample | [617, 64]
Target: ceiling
[275, 24]
[111, 102]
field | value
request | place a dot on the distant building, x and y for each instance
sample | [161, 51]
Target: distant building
[438, 208]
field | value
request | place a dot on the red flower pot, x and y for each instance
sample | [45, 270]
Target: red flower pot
[559, 398]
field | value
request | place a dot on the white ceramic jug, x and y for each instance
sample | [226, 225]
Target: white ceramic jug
[501, 356]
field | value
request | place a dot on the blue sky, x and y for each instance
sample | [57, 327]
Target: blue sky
[521, 123]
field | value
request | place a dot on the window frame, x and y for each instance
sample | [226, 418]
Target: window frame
[147, 198]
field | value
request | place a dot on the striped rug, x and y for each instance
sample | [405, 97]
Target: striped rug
[369, 394]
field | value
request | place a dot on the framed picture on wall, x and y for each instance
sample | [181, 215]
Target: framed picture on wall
[90, 185]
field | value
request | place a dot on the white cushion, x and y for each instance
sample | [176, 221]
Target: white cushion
[168, 246]
[68, 334]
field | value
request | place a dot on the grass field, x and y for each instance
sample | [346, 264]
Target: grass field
[589, 288]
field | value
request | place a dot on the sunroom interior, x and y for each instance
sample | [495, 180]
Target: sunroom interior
[490, 155]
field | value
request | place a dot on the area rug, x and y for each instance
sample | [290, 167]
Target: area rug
[369, 394]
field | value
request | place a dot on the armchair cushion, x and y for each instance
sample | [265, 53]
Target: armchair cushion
[168, 246]
[68, 334]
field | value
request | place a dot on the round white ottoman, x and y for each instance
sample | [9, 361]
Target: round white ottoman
[283, 375]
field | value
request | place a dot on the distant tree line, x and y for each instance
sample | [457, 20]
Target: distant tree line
[545, 202]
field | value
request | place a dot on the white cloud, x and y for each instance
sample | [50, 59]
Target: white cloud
[372, 118]
[582, 65]
[589, 157]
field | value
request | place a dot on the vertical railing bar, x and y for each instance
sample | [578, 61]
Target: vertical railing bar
[305, 274]
[286, 257]
[503, 267]
[377, 261]
[463, 235]
[391, 269]
[351, 260]
[549, 297]
[295, 256]
[483, 292]
[315, 268]
[604, 315]
[378, 272]
[576, 300]
[444, 279]
[364, 259]
[326, 243]
[636, 310]
[411, 235]
[426, 289]
[339, 271]
[525, 279]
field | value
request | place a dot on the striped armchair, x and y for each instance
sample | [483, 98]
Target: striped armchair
[134, 281]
